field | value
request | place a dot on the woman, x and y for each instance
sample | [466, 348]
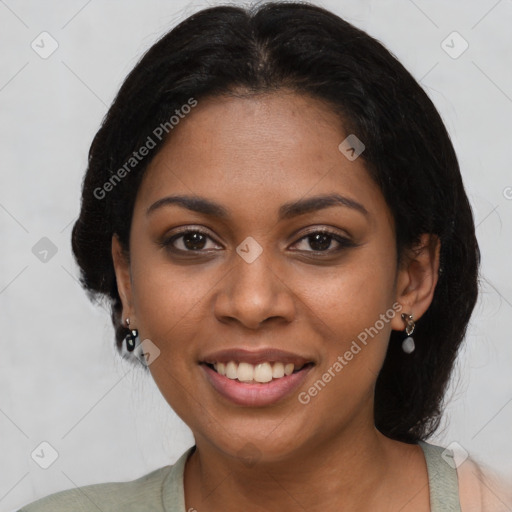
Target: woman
[275, 211]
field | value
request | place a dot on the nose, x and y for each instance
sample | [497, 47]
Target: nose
[254, 293]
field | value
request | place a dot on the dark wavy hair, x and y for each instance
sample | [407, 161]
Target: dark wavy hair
[308, 50]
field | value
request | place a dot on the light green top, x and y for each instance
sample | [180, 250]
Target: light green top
[162, 490]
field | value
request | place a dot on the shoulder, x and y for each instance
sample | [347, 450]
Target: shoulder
[476, 487]
[483, 490]
[143, 493]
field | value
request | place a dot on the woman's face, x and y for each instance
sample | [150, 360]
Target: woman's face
[283, 244]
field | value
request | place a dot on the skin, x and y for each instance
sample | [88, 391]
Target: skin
[251, 154]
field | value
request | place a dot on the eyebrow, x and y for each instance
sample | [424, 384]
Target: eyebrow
[286, 211]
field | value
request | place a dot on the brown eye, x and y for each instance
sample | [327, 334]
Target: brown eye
[189, 241]
[323, 241]
[194, 241]
[320, 241]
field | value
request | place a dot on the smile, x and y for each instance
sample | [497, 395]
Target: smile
[255, 378]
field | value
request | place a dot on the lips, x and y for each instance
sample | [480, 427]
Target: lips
[255, 378]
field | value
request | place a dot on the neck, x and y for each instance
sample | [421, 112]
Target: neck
[349, 471]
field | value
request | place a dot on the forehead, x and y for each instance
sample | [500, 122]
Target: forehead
[255, 149]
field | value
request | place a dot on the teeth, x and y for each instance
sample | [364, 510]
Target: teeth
[288, 369]
[262, 372]
[246, 372]
[231, 370]
[278, 370]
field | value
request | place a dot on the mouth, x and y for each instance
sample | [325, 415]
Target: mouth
[255, 378]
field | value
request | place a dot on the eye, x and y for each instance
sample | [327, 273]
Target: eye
[197, 240]
[190, 240]
[323, 241]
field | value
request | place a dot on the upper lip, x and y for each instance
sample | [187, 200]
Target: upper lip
[263, 355]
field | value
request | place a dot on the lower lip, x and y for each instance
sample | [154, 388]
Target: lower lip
[255, 394]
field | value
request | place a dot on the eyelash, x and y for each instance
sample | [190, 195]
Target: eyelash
[342, 241]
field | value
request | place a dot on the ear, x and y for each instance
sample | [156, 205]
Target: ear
[417, 279]
[123, 278]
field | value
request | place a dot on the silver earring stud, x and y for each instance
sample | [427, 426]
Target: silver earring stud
[408, 345]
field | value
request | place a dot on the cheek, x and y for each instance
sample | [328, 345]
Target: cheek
[168, 300]
[354, 304]
[352, 296]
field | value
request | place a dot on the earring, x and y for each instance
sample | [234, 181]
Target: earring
[130, 338]
[408, 344]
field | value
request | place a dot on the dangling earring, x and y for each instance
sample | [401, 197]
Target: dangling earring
[130, 338]
[408, 344]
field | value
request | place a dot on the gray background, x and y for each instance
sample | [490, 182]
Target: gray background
[60, 380]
